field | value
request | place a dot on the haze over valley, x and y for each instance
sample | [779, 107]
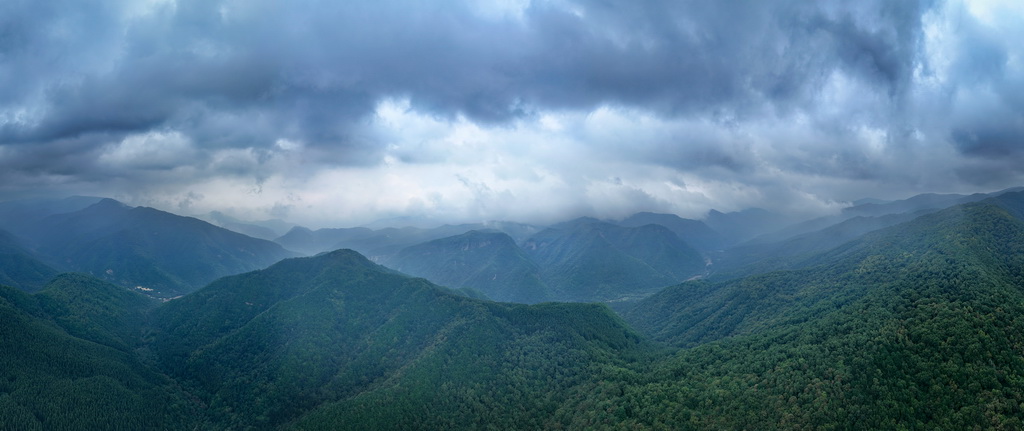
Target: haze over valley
[511, 215]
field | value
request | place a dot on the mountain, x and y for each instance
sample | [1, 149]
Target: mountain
[487, 261]
[381, 244]
[310, 242]
[591, 260]
[870, 208]
[94, 310]
[695, 232]
[265, 229]
[338, 342]
[19, 267]
[916, 326]
[157, 252]
[21, 215]
[743, 225]
[758, 257]
[51, 379]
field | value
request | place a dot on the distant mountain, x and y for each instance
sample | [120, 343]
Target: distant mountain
[695, 232]
[914, 203]
[266, 229]
[743, 225]
[757, 257]
[913, 326]
[487, 261]
[591, 260]
[1012, 202]
[21, 215]
[879, 208]
[337, 342]
[380, 245]
[310, 242]
[19, 267]
[160, 253]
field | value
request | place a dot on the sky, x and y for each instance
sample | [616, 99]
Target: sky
[340, 113]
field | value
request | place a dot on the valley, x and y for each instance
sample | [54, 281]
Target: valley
[896, 315]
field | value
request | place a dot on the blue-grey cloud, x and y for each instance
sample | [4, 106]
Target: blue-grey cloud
[862, 89]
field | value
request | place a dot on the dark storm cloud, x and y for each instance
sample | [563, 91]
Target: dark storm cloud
[309, 68]
[96, 89]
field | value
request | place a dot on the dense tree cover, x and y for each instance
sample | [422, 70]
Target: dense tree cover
[345, 334]
[95, 310]
[919, 326]
[581, 260]
[51, 380]
[590, 260]
[489, 262]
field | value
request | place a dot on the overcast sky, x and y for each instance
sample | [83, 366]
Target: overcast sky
[338, 113]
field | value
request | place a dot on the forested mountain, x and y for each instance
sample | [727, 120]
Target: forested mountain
[740, 226]
[53, 377]
[21, 215]
[695, 232]
[163, 254]
[919, 325]
[265, 229]
[382, 244]
[759, 257]
[311, 242]
[874, 209]
[489, 262]
[337, 342]
[19, 267]
[591, 260]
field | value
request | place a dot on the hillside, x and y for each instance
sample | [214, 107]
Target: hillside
[590, 260]
[53, 377]
[915, 326]
[489, 262]
[918, 325]
[694, 232]
[162, 254]
[345, 343]
[19, 267]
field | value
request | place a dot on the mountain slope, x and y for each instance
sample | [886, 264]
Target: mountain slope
[20, 268]
[759, 257]
[590, 260]
[740, 226]
[489, 262]
[21, 215]
[52, 380]
[161, 253]
[94, 310]
[311, 242]
[694, 232]
[915, 326]
[337, 342]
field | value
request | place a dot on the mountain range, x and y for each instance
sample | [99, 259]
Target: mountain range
[910, 319]
[156, 252]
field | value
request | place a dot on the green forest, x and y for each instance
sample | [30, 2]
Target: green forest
[915, 326]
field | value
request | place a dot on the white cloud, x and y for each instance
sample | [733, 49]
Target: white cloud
[150, 150]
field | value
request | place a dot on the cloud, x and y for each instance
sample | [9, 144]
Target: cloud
[512, 109]
[151, 150]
